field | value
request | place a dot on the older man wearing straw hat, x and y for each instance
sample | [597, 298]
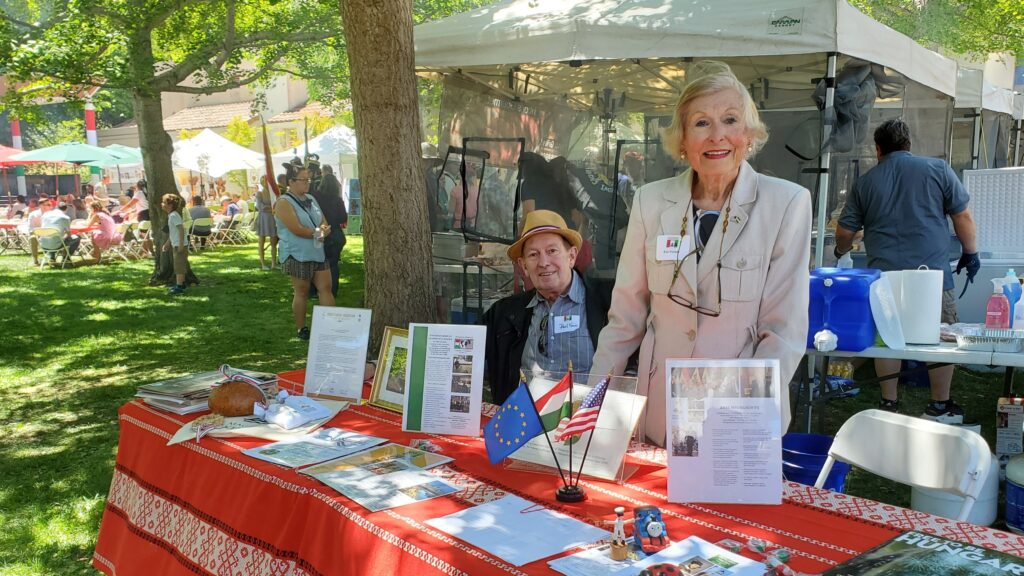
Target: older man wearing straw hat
[555, 322]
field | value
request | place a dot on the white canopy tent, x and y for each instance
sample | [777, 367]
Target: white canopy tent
[983, 123]
[211, 154]
[336, 147]
[535, 52]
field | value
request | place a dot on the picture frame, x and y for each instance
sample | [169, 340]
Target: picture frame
[388, 390]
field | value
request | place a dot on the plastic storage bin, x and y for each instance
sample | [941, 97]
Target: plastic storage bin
[840, 302]
[803, 457]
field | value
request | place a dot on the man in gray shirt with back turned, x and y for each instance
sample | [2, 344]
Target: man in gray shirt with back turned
[902, 205]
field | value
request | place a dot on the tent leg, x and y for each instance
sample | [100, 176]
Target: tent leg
[824, 161]
[976, 142]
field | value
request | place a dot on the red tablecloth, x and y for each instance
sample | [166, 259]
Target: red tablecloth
[207, 509]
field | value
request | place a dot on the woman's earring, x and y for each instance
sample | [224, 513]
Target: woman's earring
[682, 156]
[750, 148]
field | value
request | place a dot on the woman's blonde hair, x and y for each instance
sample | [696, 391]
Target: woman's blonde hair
[97, 206]
[708, 77]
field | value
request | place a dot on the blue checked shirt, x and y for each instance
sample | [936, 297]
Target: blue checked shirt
[560, 345]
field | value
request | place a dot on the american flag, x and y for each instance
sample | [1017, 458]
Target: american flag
[586, 417]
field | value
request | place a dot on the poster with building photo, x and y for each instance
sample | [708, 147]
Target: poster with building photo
[724, 431]
[444, 379]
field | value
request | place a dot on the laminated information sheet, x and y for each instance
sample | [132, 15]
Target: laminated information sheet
[444, 379]
[337, 352]
[724, 431]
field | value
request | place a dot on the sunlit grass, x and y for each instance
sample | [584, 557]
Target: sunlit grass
[74, 346]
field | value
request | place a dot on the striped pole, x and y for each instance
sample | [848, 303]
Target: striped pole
[90, 137]
[16, 143]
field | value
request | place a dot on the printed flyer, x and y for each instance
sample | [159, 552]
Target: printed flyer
[444, 379]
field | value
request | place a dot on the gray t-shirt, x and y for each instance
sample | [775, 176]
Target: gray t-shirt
[902, 205]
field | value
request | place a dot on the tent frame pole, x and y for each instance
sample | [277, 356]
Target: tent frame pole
[1017, 158]
[825, 159]
[976, 141]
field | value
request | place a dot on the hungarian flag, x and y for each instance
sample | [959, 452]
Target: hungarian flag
[271, 179]
[554, 405]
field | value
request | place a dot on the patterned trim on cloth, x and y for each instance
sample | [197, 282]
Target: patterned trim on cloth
[329, 499]
[194, 541]
[452, 542]
[103, 560]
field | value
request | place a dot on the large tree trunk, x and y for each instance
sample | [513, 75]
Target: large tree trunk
[156, 153]
[399, 269]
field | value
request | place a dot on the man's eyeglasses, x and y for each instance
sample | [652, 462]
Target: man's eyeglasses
[697, 251]
[300, 179]
[542, 341]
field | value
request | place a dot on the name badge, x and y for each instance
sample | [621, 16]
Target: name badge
[672, 247]
[567, 323]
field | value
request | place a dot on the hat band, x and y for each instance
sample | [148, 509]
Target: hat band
[544, 228]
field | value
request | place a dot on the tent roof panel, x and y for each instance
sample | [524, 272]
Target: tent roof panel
[525, 31]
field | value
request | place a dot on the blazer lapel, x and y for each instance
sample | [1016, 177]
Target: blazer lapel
[677, 202]
[744, 192]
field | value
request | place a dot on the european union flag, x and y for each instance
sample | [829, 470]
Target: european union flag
[512, 426]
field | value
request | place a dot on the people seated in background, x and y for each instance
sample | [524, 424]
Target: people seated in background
[243, 206]
[197, 210]
[557, 321]
[229, 209]
[35, 220]
[138, 204]
[58, 219]
[17, 210]
[106, 234]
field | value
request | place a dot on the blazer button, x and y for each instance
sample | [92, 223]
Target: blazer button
[742, 263]
[692, 335]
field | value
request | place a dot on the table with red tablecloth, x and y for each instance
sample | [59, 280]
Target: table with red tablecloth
[205, 508]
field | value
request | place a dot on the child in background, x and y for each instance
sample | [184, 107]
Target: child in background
[176, 240]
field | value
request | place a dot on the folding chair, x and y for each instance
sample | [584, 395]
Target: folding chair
[122, 249]
[195, 242]
[52, 234]
[913, 451]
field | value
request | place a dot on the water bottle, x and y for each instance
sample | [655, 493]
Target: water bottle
[318, 238]
[1012, 291]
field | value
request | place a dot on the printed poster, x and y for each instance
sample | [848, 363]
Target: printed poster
[444, 379]
[337, 352]
[724, 431]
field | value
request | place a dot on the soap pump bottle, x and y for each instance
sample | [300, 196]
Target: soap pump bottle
[997, 310]
[1018, 315]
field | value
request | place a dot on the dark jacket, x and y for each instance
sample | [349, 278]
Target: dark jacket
[328, 196]
[508, 325]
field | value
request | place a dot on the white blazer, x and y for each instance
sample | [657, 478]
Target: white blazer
[765, 290]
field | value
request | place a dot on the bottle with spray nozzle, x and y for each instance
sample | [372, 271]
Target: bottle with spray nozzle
[1012, 290]
[997, 310]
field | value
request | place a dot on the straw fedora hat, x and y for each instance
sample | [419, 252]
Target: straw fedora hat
[543, 222]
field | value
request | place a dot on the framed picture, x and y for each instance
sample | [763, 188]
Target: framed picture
[388, 389]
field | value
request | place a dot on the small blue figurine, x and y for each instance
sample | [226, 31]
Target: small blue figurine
[647, 523]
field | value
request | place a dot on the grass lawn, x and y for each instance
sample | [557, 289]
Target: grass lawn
[75, 344]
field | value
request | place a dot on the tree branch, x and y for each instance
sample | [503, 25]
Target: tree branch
[178, 73]
[27, 25]
[298, 74]
[256, 75]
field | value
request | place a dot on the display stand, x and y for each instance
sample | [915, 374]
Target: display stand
[616, 430]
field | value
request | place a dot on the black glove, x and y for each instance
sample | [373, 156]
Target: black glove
[837, 253]
[972, 263]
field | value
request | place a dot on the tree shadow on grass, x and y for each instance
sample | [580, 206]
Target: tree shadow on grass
[76, 344]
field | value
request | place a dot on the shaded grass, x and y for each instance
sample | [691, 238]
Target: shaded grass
[74, 346]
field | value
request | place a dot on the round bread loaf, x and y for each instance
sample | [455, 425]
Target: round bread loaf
[235, 399]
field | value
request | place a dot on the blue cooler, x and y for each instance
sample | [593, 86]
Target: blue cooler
[840, 302]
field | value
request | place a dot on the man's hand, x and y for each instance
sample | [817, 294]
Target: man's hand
[837, 253]
[972, 264]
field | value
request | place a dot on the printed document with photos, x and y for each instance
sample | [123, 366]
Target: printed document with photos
[724, 431]
[444, 379]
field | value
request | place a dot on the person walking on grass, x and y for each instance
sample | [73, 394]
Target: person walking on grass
[176, 241]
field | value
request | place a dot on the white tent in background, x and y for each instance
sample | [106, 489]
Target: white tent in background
[211, 154]
[983, 123]
[336, 147]
[337, 141]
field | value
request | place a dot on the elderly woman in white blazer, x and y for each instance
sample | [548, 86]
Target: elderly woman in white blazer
[758, 243]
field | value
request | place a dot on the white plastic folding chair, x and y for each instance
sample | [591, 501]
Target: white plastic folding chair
[913, 451]
[54, 235]
[195, 242]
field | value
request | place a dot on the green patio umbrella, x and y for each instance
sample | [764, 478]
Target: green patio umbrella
[127, 156]
[72, 152]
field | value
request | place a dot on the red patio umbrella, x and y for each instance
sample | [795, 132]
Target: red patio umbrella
[5, 162]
